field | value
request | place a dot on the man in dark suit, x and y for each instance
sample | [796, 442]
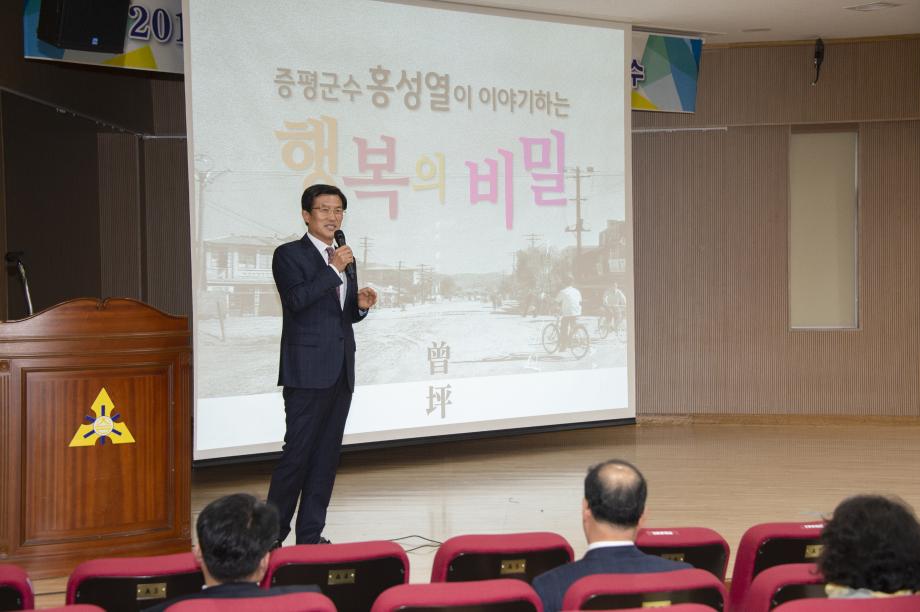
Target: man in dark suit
[235, 536]
[611, 514]
[319, 304]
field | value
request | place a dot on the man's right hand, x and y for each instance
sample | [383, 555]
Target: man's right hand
[342, 257]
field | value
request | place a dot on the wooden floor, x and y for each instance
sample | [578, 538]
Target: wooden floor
[725, 476]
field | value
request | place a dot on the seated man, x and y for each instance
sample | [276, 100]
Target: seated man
[611, 513]
[235, 538]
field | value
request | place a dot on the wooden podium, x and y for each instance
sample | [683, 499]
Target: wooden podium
[95, 434]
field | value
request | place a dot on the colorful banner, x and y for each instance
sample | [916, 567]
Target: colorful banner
[664, 72]
[153, 39]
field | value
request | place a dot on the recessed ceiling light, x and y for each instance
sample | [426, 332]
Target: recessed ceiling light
[872, 6]
[756, 30]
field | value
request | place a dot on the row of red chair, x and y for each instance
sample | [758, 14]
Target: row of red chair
[354, 575]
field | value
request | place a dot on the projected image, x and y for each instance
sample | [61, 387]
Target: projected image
[486, 205]
[552, 307]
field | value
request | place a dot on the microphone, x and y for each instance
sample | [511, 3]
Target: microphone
[14, 256]
[339, 236]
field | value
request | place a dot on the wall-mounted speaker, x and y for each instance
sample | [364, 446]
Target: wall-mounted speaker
[84, 25]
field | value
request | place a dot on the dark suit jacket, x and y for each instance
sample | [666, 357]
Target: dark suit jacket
[234, 590]
[552, 585]
[316, 334]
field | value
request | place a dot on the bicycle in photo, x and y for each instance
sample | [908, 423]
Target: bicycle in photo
[610, 321]
[578, 343]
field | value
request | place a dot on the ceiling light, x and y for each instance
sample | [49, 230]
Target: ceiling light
[872, 6]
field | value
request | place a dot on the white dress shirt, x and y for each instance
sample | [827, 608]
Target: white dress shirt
[321, 247]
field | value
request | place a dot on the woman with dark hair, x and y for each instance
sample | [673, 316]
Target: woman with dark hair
[871, 548]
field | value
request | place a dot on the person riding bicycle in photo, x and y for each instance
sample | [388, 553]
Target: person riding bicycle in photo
[569, 300]
[614, 305]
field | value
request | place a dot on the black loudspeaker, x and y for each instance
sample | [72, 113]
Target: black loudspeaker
[84, 25]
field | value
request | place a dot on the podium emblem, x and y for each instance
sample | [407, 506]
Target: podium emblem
[106, 425]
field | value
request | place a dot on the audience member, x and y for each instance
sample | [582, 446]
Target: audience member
[612, 511]
[235, 537]
[871, 549]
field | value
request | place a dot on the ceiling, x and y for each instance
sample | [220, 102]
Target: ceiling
[725, 21]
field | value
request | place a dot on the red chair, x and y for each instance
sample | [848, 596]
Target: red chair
[770, 544]
[700, 547]
[291, 602]
[351, 575]
[779, 584]
[908, 603]
[134, 583]
[674, 608]
[483, 596]
[618, 591]
[15, 589]
[487, 557]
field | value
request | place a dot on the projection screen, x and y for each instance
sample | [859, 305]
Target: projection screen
[484, 155]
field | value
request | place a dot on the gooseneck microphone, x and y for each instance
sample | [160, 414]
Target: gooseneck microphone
[339, 236]
[15, 258]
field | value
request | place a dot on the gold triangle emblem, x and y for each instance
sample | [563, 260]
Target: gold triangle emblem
[107, 425]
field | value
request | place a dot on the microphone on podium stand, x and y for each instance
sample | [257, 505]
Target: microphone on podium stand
[339, 236]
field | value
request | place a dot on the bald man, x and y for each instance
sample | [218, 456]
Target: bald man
[611, 513]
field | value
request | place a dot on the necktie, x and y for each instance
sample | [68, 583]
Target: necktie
[338, 288]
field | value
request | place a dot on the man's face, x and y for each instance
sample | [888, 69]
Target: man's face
[325, 218]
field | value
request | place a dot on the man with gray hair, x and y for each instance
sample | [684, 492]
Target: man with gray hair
[611, 513]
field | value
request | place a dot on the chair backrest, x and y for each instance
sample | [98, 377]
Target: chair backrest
[909, 603]
[352, 575]
[487, 557]
[290, 602]
[768, 544]
[15, 589]
[702, 548]
[781, 583]
[675, 608]
[134, 583]
[501, 595]
[618, 591]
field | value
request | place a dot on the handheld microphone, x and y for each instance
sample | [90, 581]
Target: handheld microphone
[14, 256]
[339, 236]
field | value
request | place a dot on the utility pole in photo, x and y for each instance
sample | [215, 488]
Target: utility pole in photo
[365, 244]
[579, 227]
[423, 277]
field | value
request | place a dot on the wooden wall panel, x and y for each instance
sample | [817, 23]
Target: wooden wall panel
[52, 202]
[168, 97]
[865, 81]
[169, 284]
[120, 210]
[712, 279]
[6, 438]
[890, 256]
[4, 277]
[887, 80]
